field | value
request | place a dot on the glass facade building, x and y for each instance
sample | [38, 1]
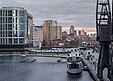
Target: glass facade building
[15, 23]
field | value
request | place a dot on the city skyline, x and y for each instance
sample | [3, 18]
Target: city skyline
[79, 13]
[88, 30]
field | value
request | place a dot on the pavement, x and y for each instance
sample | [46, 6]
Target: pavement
[91, 59]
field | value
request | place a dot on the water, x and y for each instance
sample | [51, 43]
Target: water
[45, 69]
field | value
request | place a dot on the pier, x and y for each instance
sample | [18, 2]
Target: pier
[91, 70]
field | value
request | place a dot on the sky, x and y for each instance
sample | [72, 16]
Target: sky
[79, 13]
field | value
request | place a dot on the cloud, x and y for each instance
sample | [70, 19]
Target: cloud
[68, 12]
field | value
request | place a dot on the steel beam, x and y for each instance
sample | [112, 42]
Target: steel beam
[111, 77]
[103, 26]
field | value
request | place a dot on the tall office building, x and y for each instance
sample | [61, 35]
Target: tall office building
[15, 25]
[72, 30]
[49, 31]
[59, 32]
[37, 36]
[64, 35]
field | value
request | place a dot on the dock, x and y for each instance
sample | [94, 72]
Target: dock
[90, 69]
[91, 64]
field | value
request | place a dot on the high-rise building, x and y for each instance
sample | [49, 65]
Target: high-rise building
[85, 33]
[37, 36]
[30, 29]
[72, 30]
[59, 32]
[15, 24]
[82, 32]
[75, 33]
[64, 35]
[49, 31]
[79, 32]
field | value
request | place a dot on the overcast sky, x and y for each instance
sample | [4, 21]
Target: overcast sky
[80, 13]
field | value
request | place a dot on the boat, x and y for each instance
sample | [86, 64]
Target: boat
[74, 62]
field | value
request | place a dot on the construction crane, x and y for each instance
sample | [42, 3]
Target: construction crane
[104, 36]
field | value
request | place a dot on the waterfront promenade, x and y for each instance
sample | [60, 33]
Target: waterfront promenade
[91, 62]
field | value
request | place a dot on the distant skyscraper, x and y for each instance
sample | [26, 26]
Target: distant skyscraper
[82, 32]
[15, 24]
[49, 31]
[72, 30]
[79, 32]
[75, 33]
[85, 33]
[59, 32]
[93, 35]
[64, 35]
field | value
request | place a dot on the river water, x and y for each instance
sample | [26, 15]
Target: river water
[44, 69]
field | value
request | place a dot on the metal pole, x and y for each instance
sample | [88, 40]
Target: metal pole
[103, 25]
[111, 77]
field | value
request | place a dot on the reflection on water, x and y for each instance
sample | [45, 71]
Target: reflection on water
[74, 77]
[45, 69]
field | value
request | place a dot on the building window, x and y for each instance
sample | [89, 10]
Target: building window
[21, 13]
[6, 41]
[10, 41]
[21, 34]
[0, 12]
[0, 33]
[21, 26]
[21, 40]
[5, 12]
[0, 19]
[16, 13]
[9, 19]
[6, 33]
[3, 41]
[21, 20]
[0, 26]
[9, 12]
[15, 40]
[15, 34]
[16, 20]
[6, 19]
[9, 33]
[9, 26]
[4, 26]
